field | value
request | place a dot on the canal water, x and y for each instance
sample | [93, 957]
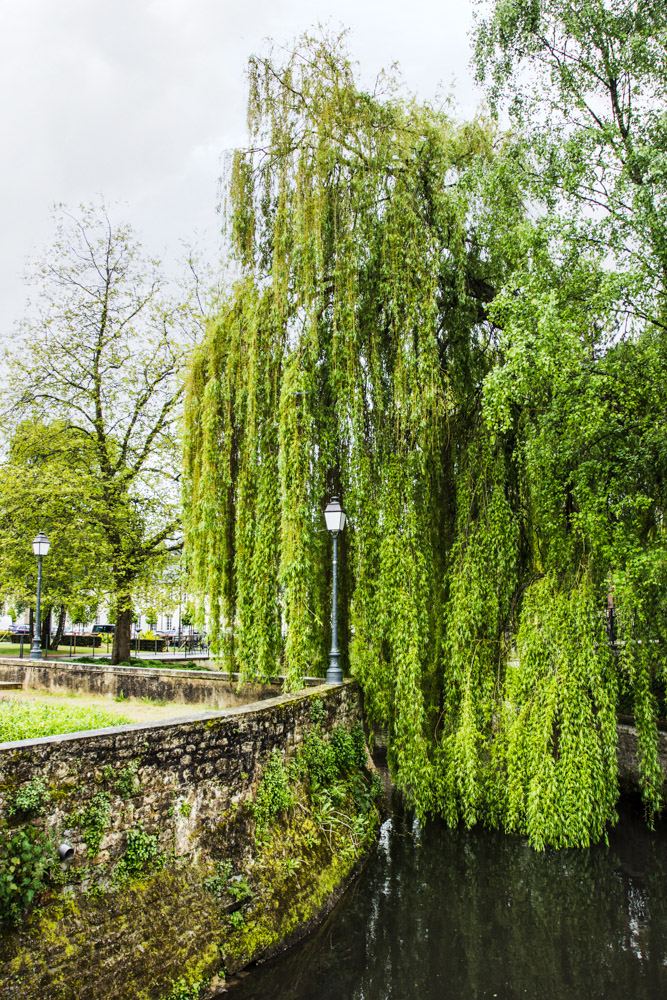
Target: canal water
[454, 915]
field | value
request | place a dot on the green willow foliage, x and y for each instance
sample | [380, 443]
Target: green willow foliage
[357, 354]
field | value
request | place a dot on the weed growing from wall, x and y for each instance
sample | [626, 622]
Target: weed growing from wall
[26, 859]
[93, 821]
[30, 799]
[142, 856]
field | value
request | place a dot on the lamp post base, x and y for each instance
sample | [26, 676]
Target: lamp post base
[334, 673]
[36, 650]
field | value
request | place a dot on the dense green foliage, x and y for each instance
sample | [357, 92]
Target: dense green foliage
[274, 795]
[314, 816]
[485, 392]
[583, 364]
[93, 820]
[585, 82]
[30, 799]
[142, 856]
[26, 858]
[45, 485]
[327, 780]
[91, 411]
[27, 720]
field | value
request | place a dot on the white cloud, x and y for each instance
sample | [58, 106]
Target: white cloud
[136, 100]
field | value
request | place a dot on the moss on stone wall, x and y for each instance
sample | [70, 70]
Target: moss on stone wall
[145, 936]
[252, 879]
[325, 822]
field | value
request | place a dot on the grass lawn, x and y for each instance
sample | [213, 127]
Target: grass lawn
[13, 649]
[26, 718]
[27, 714]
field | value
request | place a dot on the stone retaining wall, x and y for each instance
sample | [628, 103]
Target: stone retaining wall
[185, 783]
[189, 784]
[192, 687]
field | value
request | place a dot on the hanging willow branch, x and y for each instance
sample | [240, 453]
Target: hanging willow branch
[351, 356]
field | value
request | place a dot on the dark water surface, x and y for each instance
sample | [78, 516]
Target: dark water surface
[457, 915]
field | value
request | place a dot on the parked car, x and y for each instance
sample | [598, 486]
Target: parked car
[104, 629]
[18, 629]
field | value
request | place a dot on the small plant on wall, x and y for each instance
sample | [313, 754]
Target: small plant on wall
[93, 820]
[30, 799]
[142, 856]
[26, 858]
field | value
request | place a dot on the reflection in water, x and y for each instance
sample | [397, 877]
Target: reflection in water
[453, 915]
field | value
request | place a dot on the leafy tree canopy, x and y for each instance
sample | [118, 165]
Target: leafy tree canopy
[101, 358]
[585, 83]
[41, 490]
[583, 349]
[422, 327]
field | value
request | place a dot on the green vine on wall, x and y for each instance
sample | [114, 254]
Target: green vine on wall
[27, 857]
[30, 799]
[93, 820]
[142, 856]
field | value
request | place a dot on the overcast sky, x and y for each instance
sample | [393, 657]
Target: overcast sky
[136, 101]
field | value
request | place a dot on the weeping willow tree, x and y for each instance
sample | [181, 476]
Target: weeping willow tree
[359, 353]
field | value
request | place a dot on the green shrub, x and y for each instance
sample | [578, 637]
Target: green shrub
[318, 712]
[31, 797]
[331, 768]
[124, 782]
[181, 990]
[237, 920]
[149, 642]
[274, 795]
[327, 759]
[217, 884]
[26, 857]
[73, 640]
[142, 855]
[349, 749]
[239, 889]
[316, 760]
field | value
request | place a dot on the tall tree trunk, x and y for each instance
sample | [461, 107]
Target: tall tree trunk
[60, 627]
[46, 629]
[123, 630]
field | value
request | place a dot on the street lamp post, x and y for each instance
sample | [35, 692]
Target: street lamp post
[40, 547]
[334, 515]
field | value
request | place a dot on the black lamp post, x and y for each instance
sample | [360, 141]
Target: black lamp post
[334, 515]
[40, 547]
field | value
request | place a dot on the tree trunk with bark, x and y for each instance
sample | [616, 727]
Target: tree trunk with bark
[60, 628]
[45, 637]
[122, 634]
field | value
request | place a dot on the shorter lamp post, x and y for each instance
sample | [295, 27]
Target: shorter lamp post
[40, 547]
[334, 515]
